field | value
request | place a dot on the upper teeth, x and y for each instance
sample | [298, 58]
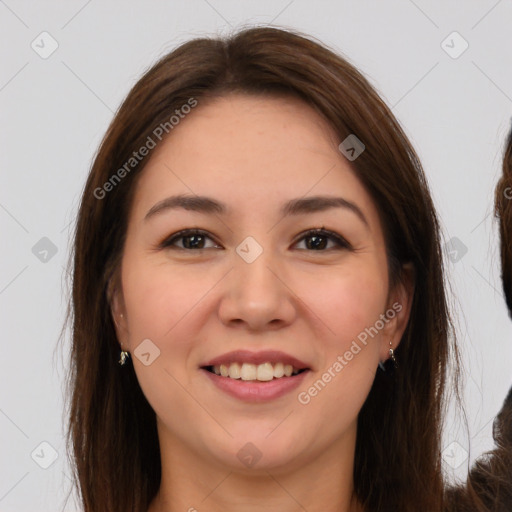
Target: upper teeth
[248, 371]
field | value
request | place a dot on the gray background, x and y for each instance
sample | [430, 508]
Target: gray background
[55, 110]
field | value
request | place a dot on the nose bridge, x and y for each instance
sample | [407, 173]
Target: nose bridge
[253, 264]
[257, 294]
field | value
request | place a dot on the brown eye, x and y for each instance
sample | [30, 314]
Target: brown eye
[191, 239]
[318, 239]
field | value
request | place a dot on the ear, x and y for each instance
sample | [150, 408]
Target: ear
[117, 310]
[398, 310]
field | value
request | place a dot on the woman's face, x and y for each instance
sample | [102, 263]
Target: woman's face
[253, 288]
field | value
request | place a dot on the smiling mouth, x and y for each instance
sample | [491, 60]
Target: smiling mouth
[265, 372]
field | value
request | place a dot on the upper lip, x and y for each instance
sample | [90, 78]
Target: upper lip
[264, 356]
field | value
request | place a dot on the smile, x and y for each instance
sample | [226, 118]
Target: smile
[255, 376]
[255, 372]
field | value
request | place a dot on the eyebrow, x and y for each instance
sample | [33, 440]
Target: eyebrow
[204, 204]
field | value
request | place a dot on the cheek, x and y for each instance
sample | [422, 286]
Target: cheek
[158, 297]
[162, 305]
[349, 304]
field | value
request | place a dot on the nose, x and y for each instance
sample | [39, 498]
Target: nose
[257, 295]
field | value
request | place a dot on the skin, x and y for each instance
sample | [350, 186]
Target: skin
[254, 154]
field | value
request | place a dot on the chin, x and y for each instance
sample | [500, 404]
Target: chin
[254, 451]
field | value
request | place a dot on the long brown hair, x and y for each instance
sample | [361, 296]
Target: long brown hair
[112, 428]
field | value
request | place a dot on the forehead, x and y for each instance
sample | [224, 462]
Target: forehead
[249, 151]
[243, 129]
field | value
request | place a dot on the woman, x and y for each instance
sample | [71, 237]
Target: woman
[489, 484]
[257, 246]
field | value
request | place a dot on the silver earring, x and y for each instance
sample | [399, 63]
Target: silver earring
[124, 356]
[392, 355]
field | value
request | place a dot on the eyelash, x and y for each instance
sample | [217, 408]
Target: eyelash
[322, 232]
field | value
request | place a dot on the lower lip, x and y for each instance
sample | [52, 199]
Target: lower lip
[256, 391]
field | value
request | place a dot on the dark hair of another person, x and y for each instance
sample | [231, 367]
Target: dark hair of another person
[503, 211]
[112, 428]
[489, 484]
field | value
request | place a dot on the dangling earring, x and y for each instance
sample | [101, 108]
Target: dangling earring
[392, 355]
[124, 356]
